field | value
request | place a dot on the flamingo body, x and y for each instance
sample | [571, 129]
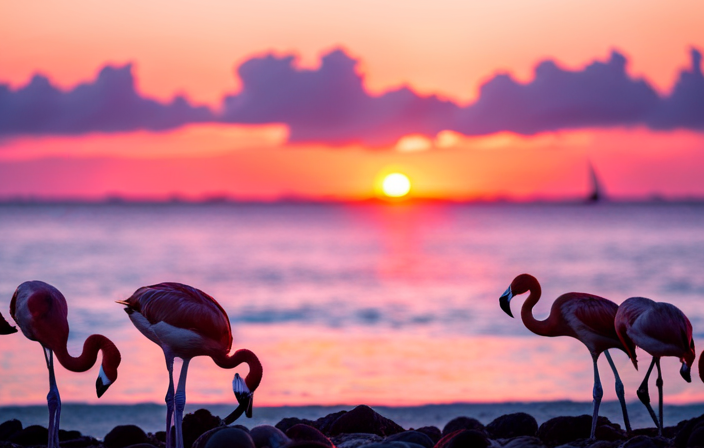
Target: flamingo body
[660, 329]
[585, 317]
[41, 312]
[186, 322]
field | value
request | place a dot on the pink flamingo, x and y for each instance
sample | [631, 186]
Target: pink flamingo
[6, 328]
[586, 317]
[660, 329]
[186, 322]
[40, 310]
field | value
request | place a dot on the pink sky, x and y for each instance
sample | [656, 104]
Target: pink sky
[445, 48]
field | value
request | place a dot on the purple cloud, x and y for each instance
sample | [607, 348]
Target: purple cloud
[330, 104]
[108, 104]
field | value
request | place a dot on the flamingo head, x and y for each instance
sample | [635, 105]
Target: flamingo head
[505, 301]
[108, 368]
[687, 361]
[104, 381]
[244, 395]
[521, 284]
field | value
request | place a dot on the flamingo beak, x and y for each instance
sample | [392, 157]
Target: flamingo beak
[243, 394]
[505, 301]
[102, 383]
[685, 372]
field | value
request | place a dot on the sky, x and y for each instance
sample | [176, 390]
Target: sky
[310, 99]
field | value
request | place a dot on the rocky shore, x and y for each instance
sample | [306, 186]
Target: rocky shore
[363, 427]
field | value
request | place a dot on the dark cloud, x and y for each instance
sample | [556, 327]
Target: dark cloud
[330, 105]
[601, 95]
[108, 104]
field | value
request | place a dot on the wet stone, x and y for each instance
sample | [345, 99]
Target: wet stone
[640, 442]
[10, 428]
[196, 424]
[324, 424]
[354, 440]
[364, 419]
[124, 436]
[266, 436]
[415, 437]
[524, 442]
[462, 423]
[431, 431]
[512, 425]
[464, 438]
[31, 435]
[226, 437]
[289, 422]
[301, 432]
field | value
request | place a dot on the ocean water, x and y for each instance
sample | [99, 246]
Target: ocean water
[388, 305]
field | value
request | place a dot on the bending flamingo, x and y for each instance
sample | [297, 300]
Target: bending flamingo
[586, 317]
[6, 328]
[40, 310]
[186, 322]
[660, 329]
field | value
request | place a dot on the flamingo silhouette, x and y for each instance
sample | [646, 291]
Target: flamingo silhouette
[660, 329]
[6, 328]
[40, 311]
[186, 322]
[586, 317]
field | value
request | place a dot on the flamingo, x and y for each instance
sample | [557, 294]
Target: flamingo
[40, 311]
[660, 329]
[6, 328]
[186, 322]
[586, 317]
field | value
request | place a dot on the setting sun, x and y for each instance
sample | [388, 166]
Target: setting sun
[396, 185]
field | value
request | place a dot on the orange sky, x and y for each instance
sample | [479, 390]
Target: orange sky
[443, 47]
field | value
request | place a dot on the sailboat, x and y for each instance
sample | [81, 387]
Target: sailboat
[597, 193]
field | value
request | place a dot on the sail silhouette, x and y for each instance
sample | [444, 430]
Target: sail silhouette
[597, 192]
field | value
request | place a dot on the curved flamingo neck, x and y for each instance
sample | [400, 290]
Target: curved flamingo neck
[540, 327]
[243, 356]
[87, 358]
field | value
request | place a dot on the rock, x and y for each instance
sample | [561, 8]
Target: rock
[393, 445]
[80, 442]
[10, 428]
[639, 442]
[306, 444]
[5, 444]
[691, 433]
[289, 422]
[462, 423]
[226, 437]
[196, 424]
[301, 432]
[562, 430]
[324, 424]
[69, 435]
[524, 442]
[605, 444]
[415, 437]
[354, 440]
[464, 438]
[609, 432]
[31, 435]
[365, 420]
[431, 431]
[139, 445]
[512, 425]
[160, 436]
[124, 435]
[267, 436]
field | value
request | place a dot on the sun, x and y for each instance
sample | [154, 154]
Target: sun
[396, 185]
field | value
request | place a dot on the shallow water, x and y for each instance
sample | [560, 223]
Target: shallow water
[385, 305]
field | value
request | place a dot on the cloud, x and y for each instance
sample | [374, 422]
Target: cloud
[330, 104]
[108, 104]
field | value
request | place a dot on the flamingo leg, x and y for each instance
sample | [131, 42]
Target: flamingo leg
[180, 402]
[53, 401]
[644, 396]
[658, 383]
[597, 394]
[169, 398]
[619, 392]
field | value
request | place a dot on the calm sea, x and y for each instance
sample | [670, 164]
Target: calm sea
[346, 304]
